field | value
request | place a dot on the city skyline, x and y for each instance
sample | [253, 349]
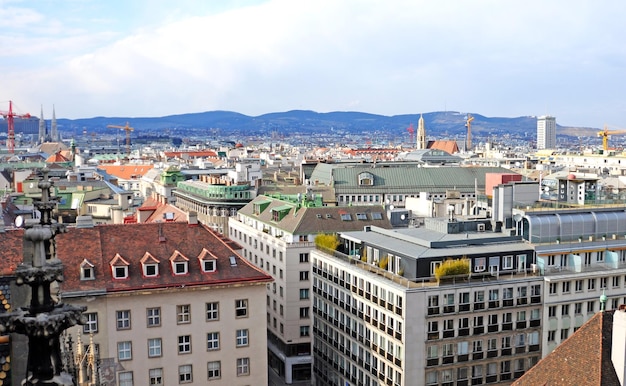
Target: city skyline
[160, 58]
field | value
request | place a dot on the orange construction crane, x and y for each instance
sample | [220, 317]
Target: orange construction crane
[468, 124]
[10, 116]
[411, 131]
[127, 129]
[605, 135]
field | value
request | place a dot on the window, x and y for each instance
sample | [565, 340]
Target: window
[579, 285]
[242, 337]
[214, 370]
[492, 344]
[345, 216]
[241, 308]
[123, 319]
[578, 308]
[212, 311]
[120, 272]
[208, 265]
[304, 275]
[184, 344]
[125, 378]
[150, 270]
[507, 262]
[304, 293]
[565, 287]
[154, 347]
[156, 377]
[603, 281]
[462, 348]
[124, 351]
[184, 374]
[552, 311]
[179, 267]
[361, 216]
[153, 316]
[551, 335]
[591, 284]
[479, 264]
[564, 333]
[565, 309]
[591, 305]
[616, 281]
[87, 271]
[304, 330]
[91, 324]
[213, 341]
[304, 312]
[243, 366]
[183, 314]
[304, 257]
[553, 289]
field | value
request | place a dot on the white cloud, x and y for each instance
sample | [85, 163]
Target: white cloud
[490, 57]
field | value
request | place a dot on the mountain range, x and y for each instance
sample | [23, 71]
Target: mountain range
[450, 123]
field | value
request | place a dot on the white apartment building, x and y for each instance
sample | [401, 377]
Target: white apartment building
[277, 234]
[393, 324]
[546, 132]
[167, 303]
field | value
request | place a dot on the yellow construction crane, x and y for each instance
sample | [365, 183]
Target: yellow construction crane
[127, 129]
[605, 136]
[468, 124]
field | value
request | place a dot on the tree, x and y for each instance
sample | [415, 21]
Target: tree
[327, 241]
[453, 267]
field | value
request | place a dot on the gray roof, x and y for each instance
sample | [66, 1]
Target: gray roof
[416, 242]
[310, 220]
[412, 179]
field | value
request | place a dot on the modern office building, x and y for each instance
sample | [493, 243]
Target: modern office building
[277, 234]
[546, 132]
[381, 318]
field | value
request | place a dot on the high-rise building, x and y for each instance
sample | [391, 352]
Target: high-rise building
[546, 132]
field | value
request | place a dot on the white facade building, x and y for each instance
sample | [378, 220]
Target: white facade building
[546, 132]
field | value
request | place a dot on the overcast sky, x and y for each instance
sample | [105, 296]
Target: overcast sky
[145, 58]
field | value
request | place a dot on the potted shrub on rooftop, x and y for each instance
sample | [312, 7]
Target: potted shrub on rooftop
[452, 269]
[327, 242]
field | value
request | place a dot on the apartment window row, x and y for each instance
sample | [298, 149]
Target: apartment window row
[154, 315]
[155, 345]
[585, 285]
[454, 302]
[185, 373]
[254, 242]
[477, 349]
[483, 323]
[482, 373]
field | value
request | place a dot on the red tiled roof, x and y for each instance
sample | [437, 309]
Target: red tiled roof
[583, 359]
[101, 244]
[449, 146]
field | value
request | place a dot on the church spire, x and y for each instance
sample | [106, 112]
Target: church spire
[53, 127]
[41, 138]
[421, 133]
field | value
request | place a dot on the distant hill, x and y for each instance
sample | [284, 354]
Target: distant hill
[442, 123]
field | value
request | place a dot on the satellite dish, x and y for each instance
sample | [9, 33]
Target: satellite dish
[517, 217]
[391, 207]
[403, 217]
[19, 221]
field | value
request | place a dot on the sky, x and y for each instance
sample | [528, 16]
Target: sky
[152, 58]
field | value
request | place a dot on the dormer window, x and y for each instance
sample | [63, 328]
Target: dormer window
[87, 271]
[179, 263]
[366, 179]
[119, 267]
[149, 265]
[208, 261]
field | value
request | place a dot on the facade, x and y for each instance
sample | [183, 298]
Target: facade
[392, 183]
[277, 234]
[546, 132]
[375, 326]
[167, 303]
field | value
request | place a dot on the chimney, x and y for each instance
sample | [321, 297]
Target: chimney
[192, 218]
